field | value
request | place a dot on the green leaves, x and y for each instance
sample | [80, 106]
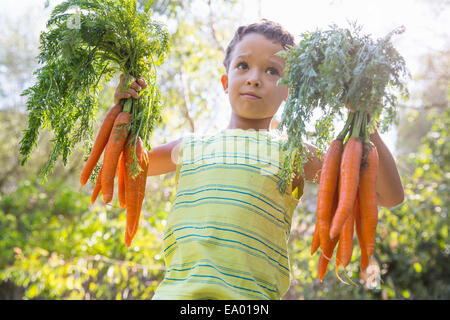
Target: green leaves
[54, 246]
[79, 49]
[333, 68]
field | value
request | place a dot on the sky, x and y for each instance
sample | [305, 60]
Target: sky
[427, 26]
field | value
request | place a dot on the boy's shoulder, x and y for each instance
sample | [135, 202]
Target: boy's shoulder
[208, 136]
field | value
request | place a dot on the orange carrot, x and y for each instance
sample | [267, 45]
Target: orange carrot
[142, 181]
[131, 192]
[349, 175]
[345, 248]
[131, 219]
[325, 256]
[368, 200]
[323, 260]
[134, 188]
[100, 143]
[113, 149]
[327, 189]
[121, 182]
[316, 240]
[364, 260]
[97, 187]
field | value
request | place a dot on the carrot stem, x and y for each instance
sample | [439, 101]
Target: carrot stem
[127, 106]
[357, 124]
[365, 129]
[345, 130]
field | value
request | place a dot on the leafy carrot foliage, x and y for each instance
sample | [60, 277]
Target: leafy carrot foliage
[328, 70]
[87, 41]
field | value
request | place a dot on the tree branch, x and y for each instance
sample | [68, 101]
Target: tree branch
[213, 27]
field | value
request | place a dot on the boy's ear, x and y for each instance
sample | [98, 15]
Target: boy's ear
[224, 80]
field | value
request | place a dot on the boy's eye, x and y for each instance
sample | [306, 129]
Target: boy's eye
[241, 63]
[275, 71]
[244, 64]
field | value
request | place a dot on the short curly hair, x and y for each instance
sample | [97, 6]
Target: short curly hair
[270, 29]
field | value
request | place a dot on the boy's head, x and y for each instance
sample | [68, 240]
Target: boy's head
[252, 67]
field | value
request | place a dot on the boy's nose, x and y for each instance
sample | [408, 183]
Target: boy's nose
[253, 78]
[254, 82]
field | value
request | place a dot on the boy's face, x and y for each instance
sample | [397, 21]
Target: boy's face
[255, 68]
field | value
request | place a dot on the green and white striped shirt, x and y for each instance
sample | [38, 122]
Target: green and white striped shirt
[227, 231]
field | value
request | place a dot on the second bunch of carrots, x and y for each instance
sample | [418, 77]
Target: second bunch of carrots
[347, 198]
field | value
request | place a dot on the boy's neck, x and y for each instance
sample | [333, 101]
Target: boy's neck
[237, 122]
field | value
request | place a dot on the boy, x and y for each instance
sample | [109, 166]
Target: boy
[228, 227]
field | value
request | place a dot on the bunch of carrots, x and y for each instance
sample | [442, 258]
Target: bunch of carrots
[120, 149]
[347, 197]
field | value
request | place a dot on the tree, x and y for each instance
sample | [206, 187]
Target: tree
[55, 245]
[431, 93]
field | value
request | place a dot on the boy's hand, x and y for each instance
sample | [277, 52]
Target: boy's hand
[136, 85]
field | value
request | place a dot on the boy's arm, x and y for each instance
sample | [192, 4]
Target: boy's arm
[311, 168]
[313, 165]
[164, 158]
[389, 186]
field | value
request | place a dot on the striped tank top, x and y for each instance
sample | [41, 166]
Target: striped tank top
[227, 230]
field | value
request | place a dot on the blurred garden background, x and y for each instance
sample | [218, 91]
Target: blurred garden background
[55, 244]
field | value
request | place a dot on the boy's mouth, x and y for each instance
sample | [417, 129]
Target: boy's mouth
[250, 95]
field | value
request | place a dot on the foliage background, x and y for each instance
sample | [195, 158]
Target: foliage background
[55, 244]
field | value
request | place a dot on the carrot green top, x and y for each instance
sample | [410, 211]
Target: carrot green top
[227, 231]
